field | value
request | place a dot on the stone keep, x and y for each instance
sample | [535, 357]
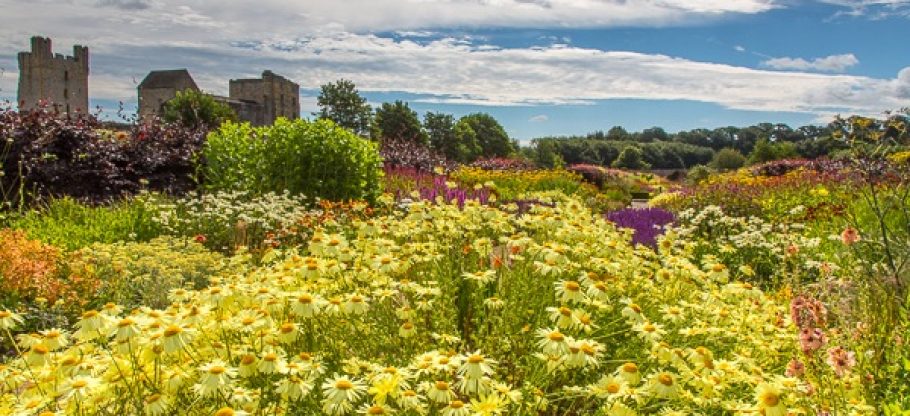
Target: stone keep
[273, 96]
[159, 87]
[60, 80]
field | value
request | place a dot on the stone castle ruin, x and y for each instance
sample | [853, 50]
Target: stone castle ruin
[57, 79]
[63, 82]
[259, 101]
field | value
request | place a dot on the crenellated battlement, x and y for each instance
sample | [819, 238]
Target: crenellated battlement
[57, 78]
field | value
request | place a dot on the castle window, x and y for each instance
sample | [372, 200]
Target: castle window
[66, 75]
[66, 94]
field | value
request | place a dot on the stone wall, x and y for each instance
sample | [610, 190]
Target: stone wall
[61, 80]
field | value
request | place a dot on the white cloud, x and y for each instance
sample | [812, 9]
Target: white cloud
[832, 63]
[314, 42]
[874, 9]
[540, 118]
[739, 48]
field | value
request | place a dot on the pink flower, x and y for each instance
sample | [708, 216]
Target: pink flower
[811, 339]
[795, 368]
[841, 360]
[850, 236]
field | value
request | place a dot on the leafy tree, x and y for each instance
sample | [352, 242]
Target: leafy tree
[197, 109]
[342, 103]
[466, 147]
[396, 121]
[492, 138]
[617, 133]
[630, 158]
[457, 141]
[728, 159]
[766, 151]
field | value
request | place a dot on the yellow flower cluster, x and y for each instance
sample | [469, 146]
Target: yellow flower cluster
[433, 311]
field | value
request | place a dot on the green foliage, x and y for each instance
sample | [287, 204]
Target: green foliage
[698, 174]
[396, 121]
[765, 151]
[660, 155]
[312, 158]
[630, 158]
[491, 137]
[728, 159]
[141, 274]
[457, 141]
[342, 103]
[197, 109]
[69, 224]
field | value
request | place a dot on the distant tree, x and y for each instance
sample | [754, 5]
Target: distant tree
[492, 138]
[728, 159]
[766, 151]
[546, 154]
[440, 129]
[197, 109]
[617, 133]
[342, 103]
[630, 158]
[698, 173]
[654, 134]
[466, 147]
[396, 121]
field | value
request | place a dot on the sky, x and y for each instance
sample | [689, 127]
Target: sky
[541, 67]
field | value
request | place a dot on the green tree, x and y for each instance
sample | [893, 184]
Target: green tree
[617, 133]
[728, 159]
[396, 121]
[466, 147]
[492, 138]
[766, 151]
[630, 158]
[192, 108]
[342, 103]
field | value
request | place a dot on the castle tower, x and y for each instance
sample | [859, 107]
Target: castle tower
[159, 87]
[275, 95]
[60, 80]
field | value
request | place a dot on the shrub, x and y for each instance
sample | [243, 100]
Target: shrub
[50, 155]
[28, 269]
[69, 224]
[698, 174]
[409, 154]
[196, 109]
[142, 274]
[728, 159]
[509, 185]
[312, 158]
[630, 158]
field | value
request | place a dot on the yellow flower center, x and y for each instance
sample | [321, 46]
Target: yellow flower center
[125, 322]
[475, 359]
[172, 330]
[572, 286]
[375, 410]
[564, 311]
[5, 314]
[407, 326]
[216, 370]
[78, 384]
[630, 368]
[153, 398]
[247, 359]
[556, 336]
[718, 268]
[456, 404]
[770, 399]
[343, 385]
[287, 328]
[248, 321]
[225, 411]
[40, 349]
[613, 388]
[649, 328]
[635, 307]
[89, 314]
[270, 357]
[442, 385]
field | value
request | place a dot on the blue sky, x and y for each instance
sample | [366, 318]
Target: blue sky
[542, 67]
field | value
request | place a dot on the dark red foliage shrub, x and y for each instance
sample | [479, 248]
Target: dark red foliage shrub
[597, 175]
[52, 154]
[409, 154]
[782, 167]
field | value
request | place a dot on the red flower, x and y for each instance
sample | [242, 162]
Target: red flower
[199, 238]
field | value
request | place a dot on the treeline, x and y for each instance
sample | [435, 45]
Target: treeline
[661, 150]
[480, 135]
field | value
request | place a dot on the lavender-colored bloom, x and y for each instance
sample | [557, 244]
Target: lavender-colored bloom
[648, 223]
